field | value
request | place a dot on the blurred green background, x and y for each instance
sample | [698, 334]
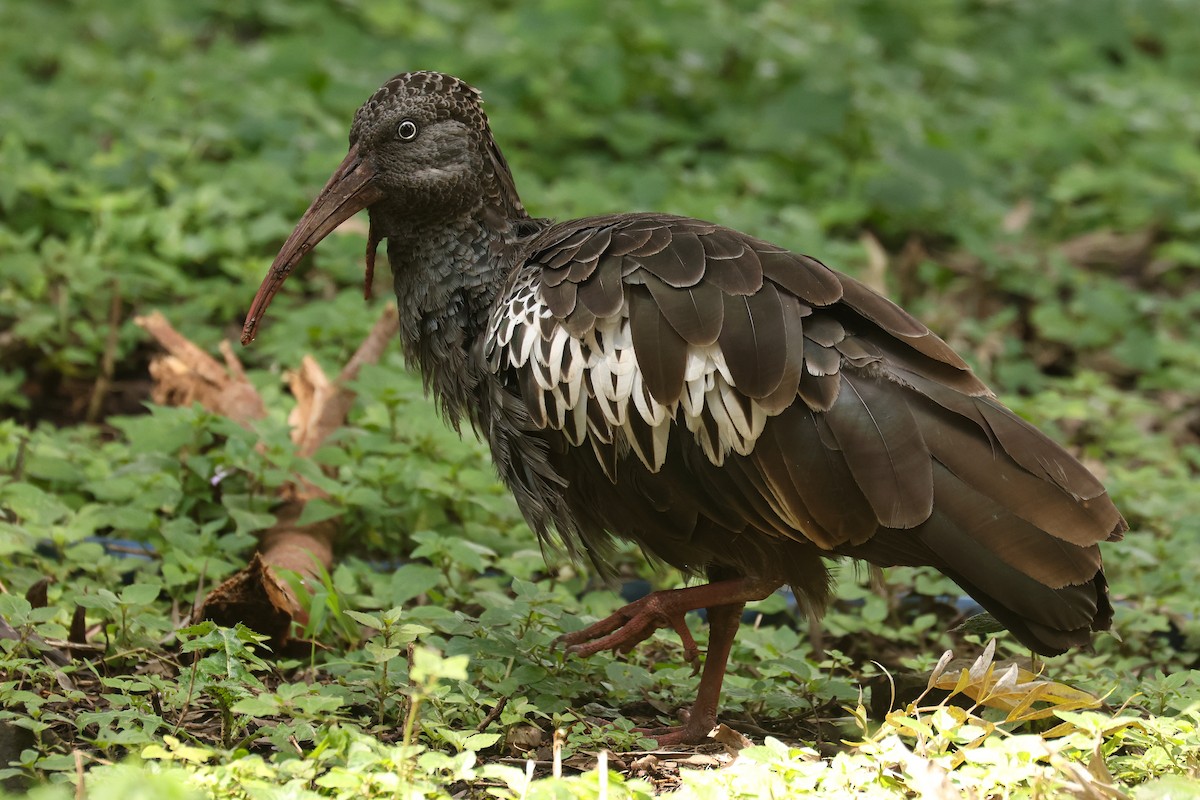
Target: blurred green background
[1024, 175]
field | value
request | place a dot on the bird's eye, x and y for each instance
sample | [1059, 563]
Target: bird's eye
[407, 130]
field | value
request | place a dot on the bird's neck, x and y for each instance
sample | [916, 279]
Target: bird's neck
[446, 277]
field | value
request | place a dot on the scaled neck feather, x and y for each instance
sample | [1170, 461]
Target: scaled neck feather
[446, 278]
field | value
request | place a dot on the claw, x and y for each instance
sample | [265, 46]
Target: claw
[632, 624]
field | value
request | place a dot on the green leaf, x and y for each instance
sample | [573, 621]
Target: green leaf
[480, 741]
[381, 654]
[31, 504]
[140, 594]
[15, 609]
[366, 620]
[262, 705]
[412, 580]
[318, 510]
[103, 599]
[430, 666]
[251, 521]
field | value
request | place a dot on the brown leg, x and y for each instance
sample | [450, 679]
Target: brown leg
[637, 621]
[723, 623]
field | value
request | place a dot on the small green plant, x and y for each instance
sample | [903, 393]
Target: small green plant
[223, 668]
[427, 669]
[384, 651]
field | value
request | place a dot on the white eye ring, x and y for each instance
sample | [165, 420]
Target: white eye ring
[407, 130]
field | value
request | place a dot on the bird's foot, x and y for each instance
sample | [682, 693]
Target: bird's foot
[636, 622]
[695, 730]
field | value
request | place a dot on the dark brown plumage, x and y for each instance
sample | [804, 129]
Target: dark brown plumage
[736, 409]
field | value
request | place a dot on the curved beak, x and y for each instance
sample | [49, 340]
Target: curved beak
[350, 189]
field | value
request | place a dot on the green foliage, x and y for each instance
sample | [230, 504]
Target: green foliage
[1030, 167]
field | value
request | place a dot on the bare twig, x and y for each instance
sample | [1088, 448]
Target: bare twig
[321, 404]
[190, 375]
[492, 715]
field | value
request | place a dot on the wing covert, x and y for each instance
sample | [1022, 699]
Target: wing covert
[639, 327]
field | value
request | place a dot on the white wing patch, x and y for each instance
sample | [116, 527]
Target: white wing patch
[591, 388]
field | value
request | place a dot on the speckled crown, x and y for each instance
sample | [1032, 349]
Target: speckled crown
[446, 95]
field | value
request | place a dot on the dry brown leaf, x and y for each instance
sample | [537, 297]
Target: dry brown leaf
[733, 740]
[1107, 248]
[258, 595]
[523, 738]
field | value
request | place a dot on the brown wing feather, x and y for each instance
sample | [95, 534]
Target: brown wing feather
[792, 345]
[579, 321]
[885, 451]
[1030, 448]
[661, 352]
[819, 391]
[963, 437]
[568, 250]
[897, 322]
[807, 278]
[626, 239]
[561, 297]
[602, 292]
[816, 479]
[696, 313]
[660, 238]
[752, 338]
[679, 264]
[731, 263]
[590, 249]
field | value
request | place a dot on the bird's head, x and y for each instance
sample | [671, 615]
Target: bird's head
[421, 154]
[424, 138]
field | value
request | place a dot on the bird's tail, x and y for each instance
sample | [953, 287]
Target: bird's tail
[1051, 594]
[1015, 522]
